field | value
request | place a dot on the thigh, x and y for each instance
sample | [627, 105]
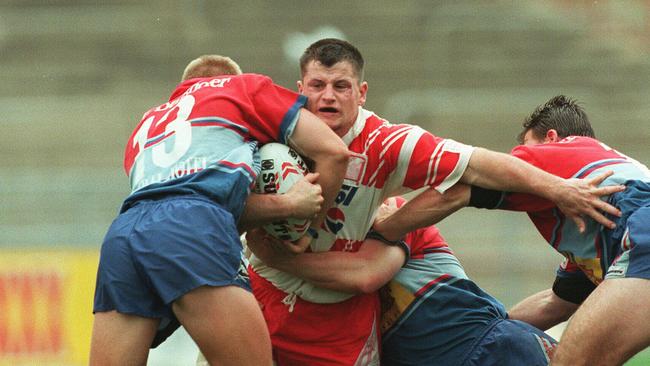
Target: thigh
[616, 314]
[227, 325]
[121, 339]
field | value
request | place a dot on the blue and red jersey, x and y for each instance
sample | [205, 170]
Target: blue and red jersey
[204, 139]
[437, 312]
[579, 157]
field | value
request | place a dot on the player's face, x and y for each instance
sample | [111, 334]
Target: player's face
[334, 94]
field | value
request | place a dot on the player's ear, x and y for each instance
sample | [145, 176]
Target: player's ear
[551, 136]
[363, 89]
[299, 84]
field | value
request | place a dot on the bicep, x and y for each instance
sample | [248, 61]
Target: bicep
[312, 138]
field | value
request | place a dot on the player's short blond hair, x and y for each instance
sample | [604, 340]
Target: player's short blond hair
[210, 65]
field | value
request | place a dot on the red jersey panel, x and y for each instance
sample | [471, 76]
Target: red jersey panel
[203, 140]
[575, 157]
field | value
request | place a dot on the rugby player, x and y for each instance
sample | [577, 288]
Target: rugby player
[174, 251]
[603, 281]
[311, 325]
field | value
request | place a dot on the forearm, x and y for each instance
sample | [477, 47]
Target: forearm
[360, 272]
[543, 310]
[494, 170]
[426, 209]
[262, 209]
[314, 140]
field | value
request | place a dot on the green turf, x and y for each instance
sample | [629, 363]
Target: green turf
[641, 359]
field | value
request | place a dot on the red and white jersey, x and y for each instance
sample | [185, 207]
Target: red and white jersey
[387, 160]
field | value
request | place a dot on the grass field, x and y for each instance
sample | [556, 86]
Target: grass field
[642, 359]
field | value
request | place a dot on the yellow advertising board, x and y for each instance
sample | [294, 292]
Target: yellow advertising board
[46, 299]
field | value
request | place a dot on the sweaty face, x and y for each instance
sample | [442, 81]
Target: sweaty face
[334, 94]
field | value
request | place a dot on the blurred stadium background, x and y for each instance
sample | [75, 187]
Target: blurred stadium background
[76, 75]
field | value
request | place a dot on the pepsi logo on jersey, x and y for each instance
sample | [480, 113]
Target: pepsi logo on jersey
[334, 220]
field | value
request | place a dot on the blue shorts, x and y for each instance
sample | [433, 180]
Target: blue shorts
[158, 250]
[633, 233]
[634, 260]
[511, 342]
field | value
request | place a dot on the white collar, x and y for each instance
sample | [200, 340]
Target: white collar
[357, 126]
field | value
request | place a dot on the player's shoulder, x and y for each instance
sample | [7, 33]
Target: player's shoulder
[564, 146]
[254, 78]
[382, 126]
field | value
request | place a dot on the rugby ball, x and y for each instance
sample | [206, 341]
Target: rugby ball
[281, 168]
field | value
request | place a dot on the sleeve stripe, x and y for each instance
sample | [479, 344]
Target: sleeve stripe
[371, 138]
[413, 136]
[392, 138]
[373, 179]
[430, 169]
[288, 121]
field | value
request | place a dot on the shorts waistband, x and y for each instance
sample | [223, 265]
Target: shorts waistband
[155, 200]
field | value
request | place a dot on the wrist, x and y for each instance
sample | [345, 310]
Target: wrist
[384, 229]
[400, 243]
[286, 205]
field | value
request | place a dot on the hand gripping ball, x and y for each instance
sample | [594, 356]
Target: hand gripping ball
[282, 167]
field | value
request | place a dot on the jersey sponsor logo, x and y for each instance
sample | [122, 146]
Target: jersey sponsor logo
[335, 220]
[183, 168]
[356, 167]
[346, 194]
[214, 83]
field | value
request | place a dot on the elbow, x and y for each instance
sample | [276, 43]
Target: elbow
[457, 196]
[336, 156]
[341, 155]
[367, 285]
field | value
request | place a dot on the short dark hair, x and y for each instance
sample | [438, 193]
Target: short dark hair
[330, 51]
[560, 113]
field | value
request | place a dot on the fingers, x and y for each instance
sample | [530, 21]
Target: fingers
[607, 208]
[254, 236]
[596, 213]
[298, 246]
[607, 190]
[312, 177]
[580, 223]
[601, 178]
[603, 220]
